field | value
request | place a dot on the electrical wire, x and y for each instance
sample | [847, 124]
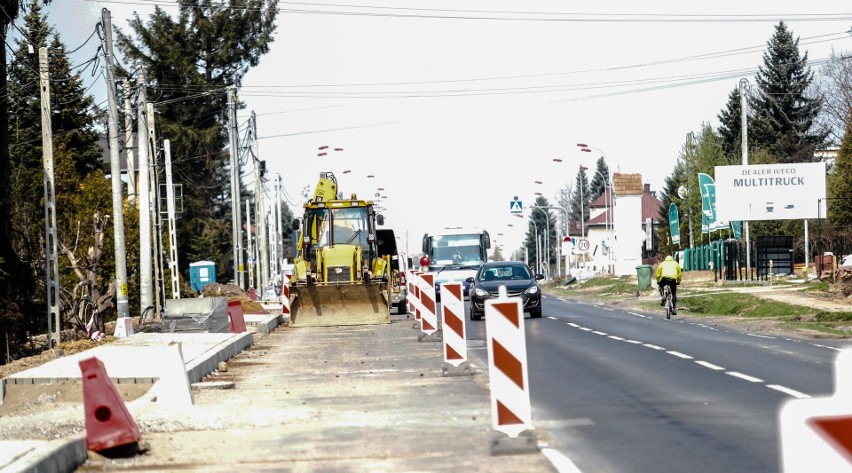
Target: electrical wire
[511, 15]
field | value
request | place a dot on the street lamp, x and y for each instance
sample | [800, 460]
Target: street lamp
[558, 249]
[535, 239]
[609, 197]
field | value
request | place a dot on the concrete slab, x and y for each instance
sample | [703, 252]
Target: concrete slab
[135, 359]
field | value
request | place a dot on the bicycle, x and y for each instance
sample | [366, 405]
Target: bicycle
[84, 316]
[667, 295]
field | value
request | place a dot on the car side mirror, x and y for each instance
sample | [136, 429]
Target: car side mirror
[470, 279]
[539, 277]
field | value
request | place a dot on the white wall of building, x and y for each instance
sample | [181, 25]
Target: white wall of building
[629, 234]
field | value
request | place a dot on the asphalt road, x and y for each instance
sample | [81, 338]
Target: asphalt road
[620, 391]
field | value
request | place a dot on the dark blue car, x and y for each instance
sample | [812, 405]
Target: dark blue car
[519, 281]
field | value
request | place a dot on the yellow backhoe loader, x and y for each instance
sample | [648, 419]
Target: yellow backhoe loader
[339, 277]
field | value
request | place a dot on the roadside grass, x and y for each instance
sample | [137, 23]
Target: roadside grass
[739, 305]
[818, 327]
[601, 287]
[819, 286]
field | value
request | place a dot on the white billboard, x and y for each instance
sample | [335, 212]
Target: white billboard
[793, 191]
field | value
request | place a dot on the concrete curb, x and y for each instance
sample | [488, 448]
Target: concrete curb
[33, 456]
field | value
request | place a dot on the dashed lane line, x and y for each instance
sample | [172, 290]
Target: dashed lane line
[761, 336]
[707, 364]
[746, 377]
[679, 354]
[791, 392]
[551, 318]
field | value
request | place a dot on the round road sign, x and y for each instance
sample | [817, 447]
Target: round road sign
[583, 245]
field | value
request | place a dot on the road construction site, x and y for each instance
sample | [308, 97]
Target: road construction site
[348, 398]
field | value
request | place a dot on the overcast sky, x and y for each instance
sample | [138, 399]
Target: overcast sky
[457, 111]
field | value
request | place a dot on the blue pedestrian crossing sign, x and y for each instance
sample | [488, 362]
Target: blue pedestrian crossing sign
[516, 206]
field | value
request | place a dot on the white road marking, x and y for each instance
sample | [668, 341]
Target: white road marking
[679, 354]
[607, 308]
[573, 325]
[635, 342]
[559, 461]
[655, 347]
[615, 338]
[710, 365]
[639, 315]
[791, 392]
[551, 318]
[586, 329]
[826, 346]
[744, 376]
[761, 336]
[598, 333]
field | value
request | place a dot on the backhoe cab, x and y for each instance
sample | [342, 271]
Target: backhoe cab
[339, 276]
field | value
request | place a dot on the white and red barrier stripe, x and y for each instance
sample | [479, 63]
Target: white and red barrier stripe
[285, 296]
[507, 364]
[428, 314]
[413, 297]
[452, 315]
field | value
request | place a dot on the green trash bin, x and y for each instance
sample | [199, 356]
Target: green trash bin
[643, 274]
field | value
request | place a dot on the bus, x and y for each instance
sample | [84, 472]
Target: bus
[455, 255]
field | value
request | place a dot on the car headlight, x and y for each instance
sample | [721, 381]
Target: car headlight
[481, 293]
[531, 290]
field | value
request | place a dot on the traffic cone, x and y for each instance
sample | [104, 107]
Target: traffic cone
[109, 427]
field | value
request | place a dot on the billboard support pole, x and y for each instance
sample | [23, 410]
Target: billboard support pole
[744, 86]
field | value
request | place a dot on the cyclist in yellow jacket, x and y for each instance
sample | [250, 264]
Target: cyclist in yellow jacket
[668, 274]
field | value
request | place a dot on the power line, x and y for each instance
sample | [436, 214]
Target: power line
[512, 15]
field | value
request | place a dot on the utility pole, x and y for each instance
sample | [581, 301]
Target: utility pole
[146, 297]
[156, 217]
[260, 208]
[170, 207]
[128, 142]
[51, 252]
[279, 228]
[744, 125]
[250, 265]
[120, 252]
[236, 218]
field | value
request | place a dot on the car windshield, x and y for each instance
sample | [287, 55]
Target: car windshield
[504, 273]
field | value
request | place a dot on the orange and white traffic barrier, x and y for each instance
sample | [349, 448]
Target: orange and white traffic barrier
[452, 315]
[413, 297]
[429, 315]
[507, 364]
[816, 433]
[285, 297]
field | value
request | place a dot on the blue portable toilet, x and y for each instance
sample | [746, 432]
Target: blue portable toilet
[201, 273]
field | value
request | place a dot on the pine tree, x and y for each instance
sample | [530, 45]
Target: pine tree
[730, 124]
[580, 201]
[600, 181]
[15, 292]
[189, 62]
[544, 224]
[77, 153]
[784, 114]
[840, 181]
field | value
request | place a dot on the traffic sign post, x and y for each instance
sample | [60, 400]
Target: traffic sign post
[816, 434]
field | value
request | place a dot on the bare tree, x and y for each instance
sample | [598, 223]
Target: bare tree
[835, 85]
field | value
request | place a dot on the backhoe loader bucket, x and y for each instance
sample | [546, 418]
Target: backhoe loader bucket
[325, 305]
